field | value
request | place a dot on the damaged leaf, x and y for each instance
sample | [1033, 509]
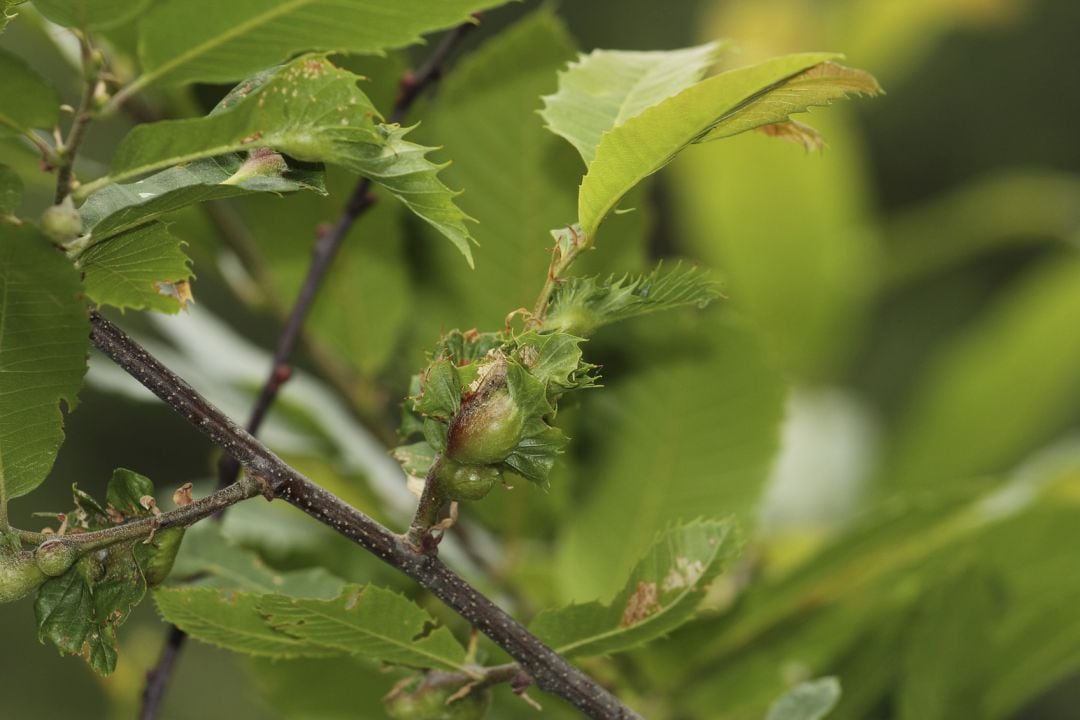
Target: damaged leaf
[662, 593]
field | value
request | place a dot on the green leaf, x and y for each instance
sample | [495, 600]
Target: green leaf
[90, 14]
[369, 621]
[946, 646]
[209, 41]
[27, 100]
[125, 492]
[810, 307]
[416, 459]
[693, 434]
[144, 268]
[963, 418]
[1010, 209]
[215, 562]
[440, 391]
[311, 111]
[724, 105]
[605, 88]
[44, 339]
[555, 359]
[11, 189]
[223, 610]
[811, 700]
[118, 208]
[231, 620]
[581, 305]
[662, 593]
[484, 115]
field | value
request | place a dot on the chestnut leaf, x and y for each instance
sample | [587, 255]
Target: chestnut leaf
[662, 592]
[724, 105]
[603, 89]
[309, 110]
[44, 338]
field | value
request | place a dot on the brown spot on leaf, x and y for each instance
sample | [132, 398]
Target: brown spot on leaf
[179, 291]
[795, 132]
[642, 603]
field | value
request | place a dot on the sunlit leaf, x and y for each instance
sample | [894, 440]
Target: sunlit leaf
[724, 105]
[661, 594]
[583, 304]
[601, 90]
[44, 338]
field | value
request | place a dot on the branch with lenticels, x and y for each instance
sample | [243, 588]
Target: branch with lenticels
[548, 670]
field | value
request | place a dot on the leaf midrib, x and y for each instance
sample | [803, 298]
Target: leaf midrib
[413, 648]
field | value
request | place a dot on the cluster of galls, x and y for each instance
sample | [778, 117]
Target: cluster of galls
[484, 407]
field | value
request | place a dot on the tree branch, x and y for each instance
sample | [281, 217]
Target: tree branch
[324, 251]
[548, 670]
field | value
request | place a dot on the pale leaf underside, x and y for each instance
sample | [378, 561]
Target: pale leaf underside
[721, 106]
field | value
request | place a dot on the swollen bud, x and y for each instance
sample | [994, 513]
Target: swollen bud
[419, 701]
[55, 557]
[61, 223]
[488, 425]
[19, 575]
[466, 482]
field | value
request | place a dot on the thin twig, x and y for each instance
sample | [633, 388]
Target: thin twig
[83, 115]
[328, 243]
[182, 516]
[548, 670]
[324, 251]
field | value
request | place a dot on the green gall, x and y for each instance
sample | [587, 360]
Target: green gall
[61, 223]
[467, 482]
[489, 423]
[156, 557]
[419, 700]
[262, 162]
[55, 557]
[19, 575]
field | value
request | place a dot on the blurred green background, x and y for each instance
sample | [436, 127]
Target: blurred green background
[888, 398]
